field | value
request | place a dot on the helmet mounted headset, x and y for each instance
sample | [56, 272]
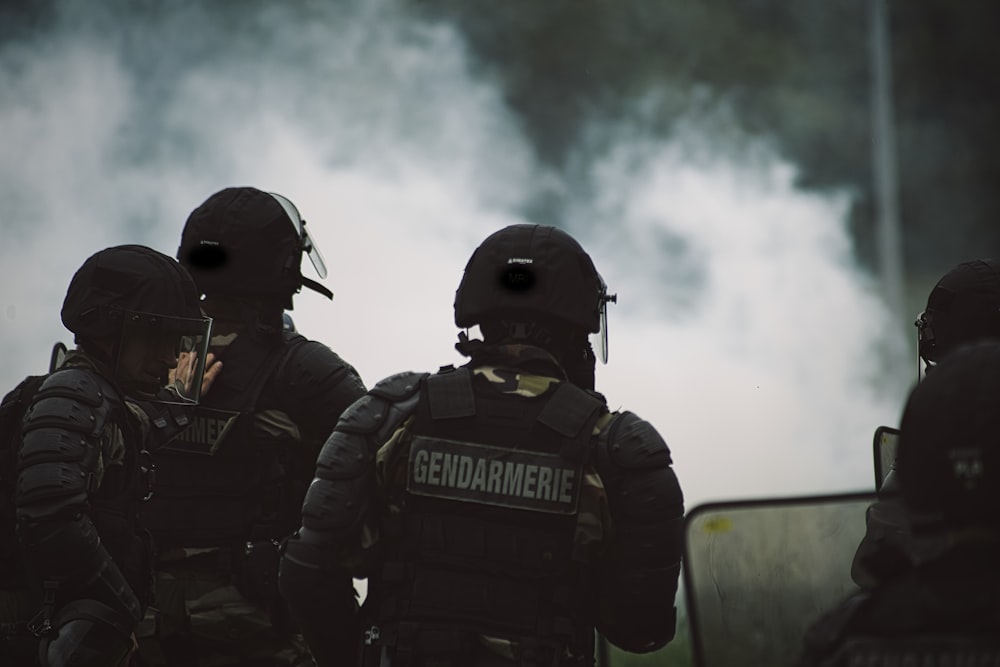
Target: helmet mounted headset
[532, 279]
[963, 307]
[242, 241]
[136, 311]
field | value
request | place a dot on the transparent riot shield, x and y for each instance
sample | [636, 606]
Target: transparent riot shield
[757, 573]
[884, 452]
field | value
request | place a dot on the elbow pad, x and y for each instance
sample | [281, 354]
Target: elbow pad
[57, 462]
[339, 498]
[57, 473]
[640, 573]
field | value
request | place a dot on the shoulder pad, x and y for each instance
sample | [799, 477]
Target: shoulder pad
[385, 406]
[634, 443]
[365, 415]
[312, 371]
[307, 359]
[73, 400]
[399, 386]
[78, 384]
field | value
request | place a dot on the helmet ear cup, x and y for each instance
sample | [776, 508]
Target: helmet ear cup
[964, 306]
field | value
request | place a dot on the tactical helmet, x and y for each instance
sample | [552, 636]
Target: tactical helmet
[948, 461]
[126, 278]
[86, 633]
[146, 306]
[964, 306]
[242, 241]
[532, 270]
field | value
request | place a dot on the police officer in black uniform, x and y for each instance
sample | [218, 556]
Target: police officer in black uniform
[963, 307]
[74, 563]
[499, 511]
[943, 607]
[230, 488]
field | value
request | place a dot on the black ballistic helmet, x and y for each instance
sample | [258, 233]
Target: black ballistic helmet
[948, 461]
[963, 307]
[242, 241]
[126, 278]
[535, 271]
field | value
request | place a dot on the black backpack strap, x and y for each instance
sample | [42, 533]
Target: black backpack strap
[242, 383]
[293, 341]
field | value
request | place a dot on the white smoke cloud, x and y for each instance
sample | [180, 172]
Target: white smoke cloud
[744, 332]
[759, 362]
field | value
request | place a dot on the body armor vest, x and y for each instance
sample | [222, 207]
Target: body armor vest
[223, 482]
[115, 507]
[485, 542]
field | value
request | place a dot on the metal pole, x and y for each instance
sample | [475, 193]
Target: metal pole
[886, 187]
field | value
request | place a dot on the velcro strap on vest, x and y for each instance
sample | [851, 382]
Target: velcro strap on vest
[449, 395]
[572, 413]
[569, 410]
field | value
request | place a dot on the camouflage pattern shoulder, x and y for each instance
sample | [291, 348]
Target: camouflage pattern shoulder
[513, 381]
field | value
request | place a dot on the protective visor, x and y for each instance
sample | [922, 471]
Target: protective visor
[599, 340]
[308, 245]
[925, 344]
[162, 358]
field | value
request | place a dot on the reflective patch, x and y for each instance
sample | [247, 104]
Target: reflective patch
[493, 476]
[206, 433]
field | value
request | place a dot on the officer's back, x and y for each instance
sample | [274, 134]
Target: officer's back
[941, 606]
[963, 307]
[499, 511]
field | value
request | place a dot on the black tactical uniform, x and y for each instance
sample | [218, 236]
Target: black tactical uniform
[499, 511]
[942, 607]
[230, 488]
[77, 574]
[963, 307]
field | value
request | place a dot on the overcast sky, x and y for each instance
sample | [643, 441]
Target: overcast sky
[743, 330]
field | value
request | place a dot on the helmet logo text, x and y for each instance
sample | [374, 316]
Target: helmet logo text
[208, 255]
[517, 276]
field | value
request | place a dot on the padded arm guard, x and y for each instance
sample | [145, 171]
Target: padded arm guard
[57, 472]
[639, 576]
[313, 578]
[317, 385]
